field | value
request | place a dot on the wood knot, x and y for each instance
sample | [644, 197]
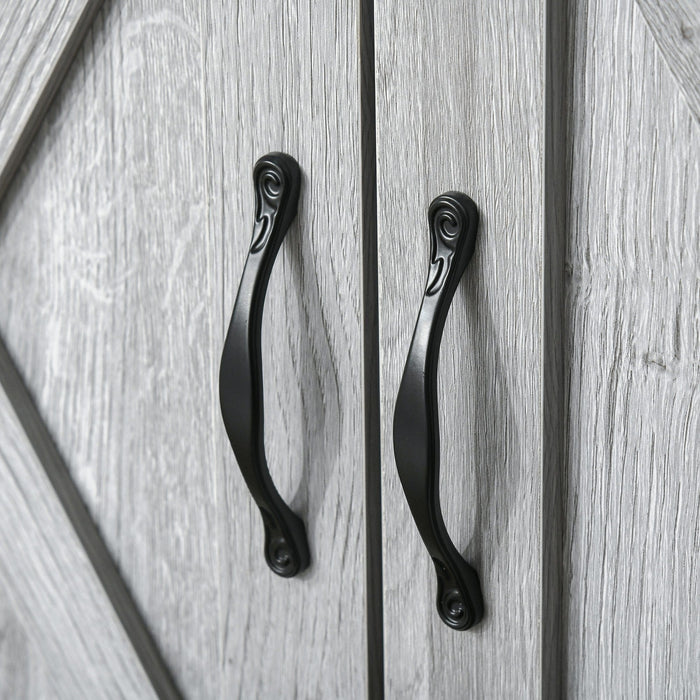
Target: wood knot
[687, 32]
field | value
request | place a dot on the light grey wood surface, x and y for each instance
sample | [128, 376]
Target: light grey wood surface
[23, 672]
[38, 40]
[675, 24]
[121, 245]
[104, 257]
[460, 105]
[59, 609]
[289, 80]
[633, 491]
[68, 496]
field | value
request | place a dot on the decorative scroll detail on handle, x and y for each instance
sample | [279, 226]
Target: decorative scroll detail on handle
[453, 220]
[446, 224]
[269, 182]
[277, 182]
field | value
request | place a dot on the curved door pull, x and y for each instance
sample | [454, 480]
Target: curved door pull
[277, 181]
[453, 220]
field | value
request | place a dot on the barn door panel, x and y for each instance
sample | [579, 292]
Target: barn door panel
[121, 245]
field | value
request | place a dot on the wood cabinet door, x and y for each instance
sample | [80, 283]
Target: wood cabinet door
[568, 376]
[122, 239]
[131, 553]
[460, 106]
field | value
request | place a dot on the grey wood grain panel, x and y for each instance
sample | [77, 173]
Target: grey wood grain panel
[675, 24]
[460, 105]
[633, 491]
[289, 80]
[104, 271]
[122, 244]
[23, 672]
[67, 494]
[52, 585]
[38, 40]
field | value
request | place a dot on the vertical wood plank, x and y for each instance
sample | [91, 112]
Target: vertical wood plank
[38, 40]
[633, 489]
[288, 79]
[460, 105]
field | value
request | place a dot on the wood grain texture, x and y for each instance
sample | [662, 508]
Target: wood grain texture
[104, 265]
[23, 672]
[38, 40]
[52, 586]
[460, 105]
[68, 495]
[121, 245]
[633, 491]
[288, 79]
[675, 24]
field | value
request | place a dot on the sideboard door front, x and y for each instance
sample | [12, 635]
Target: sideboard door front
[123, 238]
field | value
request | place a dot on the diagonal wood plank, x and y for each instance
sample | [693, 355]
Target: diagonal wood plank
[23, 672]
[675, 25]
[38, 40]
[61, 580]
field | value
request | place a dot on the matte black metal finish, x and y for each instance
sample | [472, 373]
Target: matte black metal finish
[277, 181]
[453, 219]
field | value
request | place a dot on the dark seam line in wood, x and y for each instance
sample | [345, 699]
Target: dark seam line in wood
[45, 98]
[370, 340]
[67, 492]
[556, 178]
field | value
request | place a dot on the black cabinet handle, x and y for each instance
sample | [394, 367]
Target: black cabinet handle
[277, 181]
[453, 219]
